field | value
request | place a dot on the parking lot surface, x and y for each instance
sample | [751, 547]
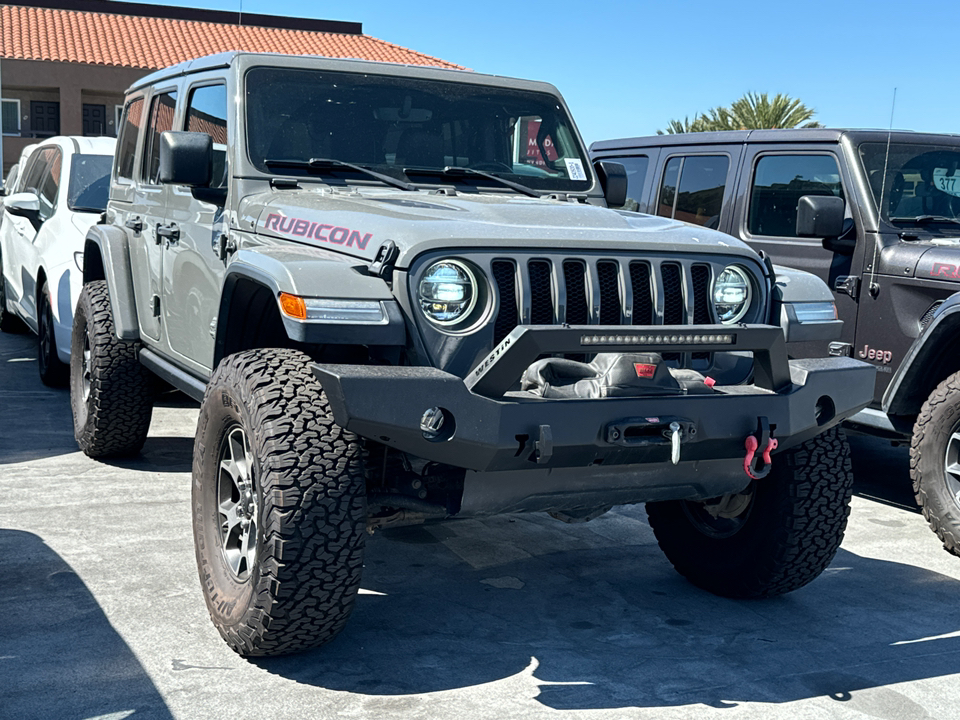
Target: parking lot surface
[101, 614]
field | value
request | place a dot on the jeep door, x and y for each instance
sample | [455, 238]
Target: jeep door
[773, 179]
[146, 216]
[192, 267]
[696, 184]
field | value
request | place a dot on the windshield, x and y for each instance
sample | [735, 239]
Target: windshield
[89, 183]
[393, 124]
[922, 181]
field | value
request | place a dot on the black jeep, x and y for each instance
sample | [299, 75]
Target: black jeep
[877, 216]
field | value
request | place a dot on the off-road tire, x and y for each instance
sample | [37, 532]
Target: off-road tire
[795, 524]
[114, 417]
[308, 476]
[53, 371]
[939, 418]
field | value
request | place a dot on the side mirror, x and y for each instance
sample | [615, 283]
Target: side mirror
[613, 180]
[820, 216]
[25, 204]
[186, 158]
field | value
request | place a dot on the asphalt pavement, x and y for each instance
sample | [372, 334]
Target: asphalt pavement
[101, 614]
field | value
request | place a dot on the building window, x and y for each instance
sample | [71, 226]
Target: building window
[692, 189]
[10, 111]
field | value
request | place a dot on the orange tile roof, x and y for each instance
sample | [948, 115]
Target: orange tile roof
[33, 33]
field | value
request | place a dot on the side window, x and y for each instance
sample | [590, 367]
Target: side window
[162, 108]
[692, 189]
[779, 181]
[636, 167]
[207, 113]
[127, 144]
[50, 184]
[30, 179]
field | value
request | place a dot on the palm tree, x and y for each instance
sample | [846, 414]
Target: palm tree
[751, 112]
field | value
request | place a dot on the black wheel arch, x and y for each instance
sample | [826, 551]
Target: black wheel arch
[932, 358]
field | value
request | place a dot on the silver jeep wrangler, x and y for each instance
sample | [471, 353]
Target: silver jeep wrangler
[400, 297]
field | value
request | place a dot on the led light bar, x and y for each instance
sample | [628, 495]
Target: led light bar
[814, 312]
[658, 339]
[335, 312]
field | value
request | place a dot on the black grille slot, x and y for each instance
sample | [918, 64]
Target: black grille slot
[573, 277]
[701, 301]
[504, 273]
[541, 300]
[608, 275]
[672, 294]
[928, 315]
[672, 299]
[642, 297]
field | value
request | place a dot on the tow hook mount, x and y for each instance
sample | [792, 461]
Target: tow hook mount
[756, 464]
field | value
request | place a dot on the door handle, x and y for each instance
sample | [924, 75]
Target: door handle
[170, 232]
[135, 224]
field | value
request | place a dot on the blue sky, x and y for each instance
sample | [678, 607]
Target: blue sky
[627, 68]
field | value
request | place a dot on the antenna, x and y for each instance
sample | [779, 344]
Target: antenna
[874, 289]
[240, 17]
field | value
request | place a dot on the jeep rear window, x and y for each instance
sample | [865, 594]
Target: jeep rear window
[390, 123]
[922, 182]
[692, 189]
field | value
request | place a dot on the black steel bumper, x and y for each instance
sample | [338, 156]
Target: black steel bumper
[491, 430]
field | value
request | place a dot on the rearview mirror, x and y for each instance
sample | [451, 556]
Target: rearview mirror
[613, 180]
[820, 216]
[186, 158]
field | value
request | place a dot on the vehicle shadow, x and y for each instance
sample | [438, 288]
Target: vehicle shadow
[881, 471]
[36, 421]
[588, 624]
[59, 655]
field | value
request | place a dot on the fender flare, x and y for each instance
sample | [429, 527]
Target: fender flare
[114, 251]
[311, 276]
[902, 396]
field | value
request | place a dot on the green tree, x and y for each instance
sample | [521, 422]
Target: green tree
[753, 111]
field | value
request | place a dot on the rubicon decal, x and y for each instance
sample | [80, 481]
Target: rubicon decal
[335, 234]
[945, 270]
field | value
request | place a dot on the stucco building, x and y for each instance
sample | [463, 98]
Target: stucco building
[64, 64]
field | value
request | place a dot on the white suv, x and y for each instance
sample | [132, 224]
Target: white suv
[59, 193]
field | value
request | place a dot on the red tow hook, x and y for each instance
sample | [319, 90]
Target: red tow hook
[757, 467]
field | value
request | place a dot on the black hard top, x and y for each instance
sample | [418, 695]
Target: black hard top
[799, 135]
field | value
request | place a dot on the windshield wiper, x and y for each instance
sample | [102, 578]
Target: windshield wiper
[927, 219]
[85, 209]
[456, 171]
[321, 164]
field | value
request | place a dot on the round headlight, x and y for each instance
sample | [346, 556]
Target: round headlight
[732, 293]
[448, 292]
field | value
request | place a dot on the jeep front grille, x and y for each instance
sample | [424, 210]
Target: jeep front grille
[588, 291]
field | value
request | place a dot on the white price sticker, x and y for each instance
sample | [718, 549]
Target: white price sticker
[575, 169]
[944, 182]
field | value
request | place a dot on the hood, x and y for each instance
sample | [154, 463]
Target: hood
[357, 222]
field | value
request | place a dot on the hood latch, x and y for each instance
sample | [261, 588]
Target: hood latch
[382, 265]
